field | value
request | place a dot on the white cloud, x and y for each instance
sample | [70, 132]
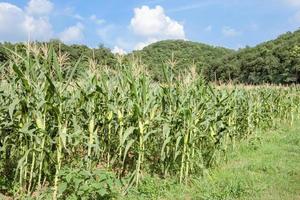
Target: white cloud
[11, 22]
[105, 32]
[38, 28]
[78, 17]
[191, 6]
[118, 50]
[17, 25]
[96, 20]
[39, 7]
[295, 19]
[152, 24]
[253, 26]
[230, 32]
[149, 22]
[72, 34]
[208, 28]
[70, 12]
[295, 3]
[141, 45]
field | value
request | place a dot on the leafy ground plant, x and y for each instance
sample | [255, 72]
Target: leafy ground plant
[82, 184]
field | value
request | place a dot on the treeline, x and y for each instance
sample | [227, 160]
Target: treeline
[71, 53]
[276, 61]
[180, 55]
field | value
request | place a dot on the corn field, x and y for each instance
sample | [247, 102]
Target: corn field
[119, 120]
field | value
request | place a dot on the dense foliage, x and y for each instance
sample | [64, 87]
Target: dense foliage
[182, 54]
[276, 61]
[94, 135]
[70, 53]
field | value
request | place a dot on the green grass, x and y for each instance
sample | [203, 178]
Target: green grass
[266, 167]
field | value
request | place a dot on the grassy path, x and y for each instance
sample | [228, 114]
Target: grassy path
[268, 169]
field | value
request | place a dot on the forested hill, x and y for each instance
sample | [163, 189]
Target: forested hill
[102, 55]
[183, 54]
[275, 61]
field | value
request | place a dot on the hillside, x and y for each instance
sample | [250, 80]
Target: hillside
[183, 53]
[102, 55]
[276, 61]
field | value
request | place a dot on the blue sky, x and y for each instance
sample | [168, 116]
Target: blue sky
[126, 25]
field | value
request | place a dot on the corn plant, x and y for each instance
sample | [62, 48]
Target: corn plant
[118, 120]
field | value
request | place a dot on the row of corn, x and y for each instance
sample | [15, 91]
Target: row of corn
[53, 115]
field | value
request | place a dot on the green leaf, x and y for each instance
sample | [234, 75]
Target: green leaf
[128, 132]
[62, 187]
[148, 134]
[167, 140]
[166, 130]
[69, 177]
[22, 77]
[102, 192]
[77, 182]
[71, 74]
[128, 145]
[12, 107]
